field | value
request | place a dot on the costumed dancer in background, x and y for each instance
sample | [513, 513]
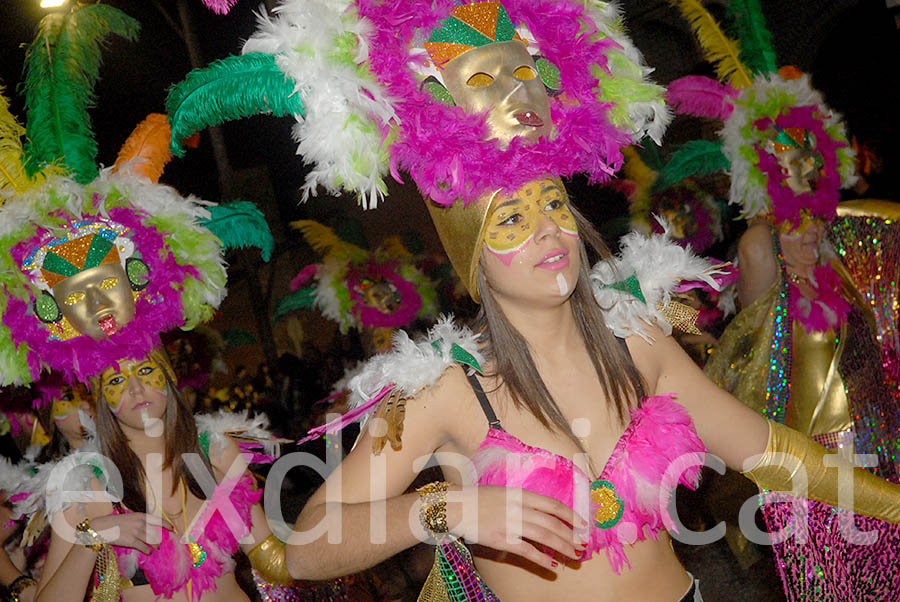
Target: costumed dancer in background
[67, 413]
[99, 265]
[554, 373]
[807, 349]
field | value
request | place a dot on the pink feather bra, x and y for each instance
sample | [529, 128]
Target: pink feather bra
[197, 562]
[658, 450]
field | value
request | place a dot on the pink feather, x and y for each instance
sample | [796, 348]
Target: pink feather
[343, 420]
[220, 7]
[303, 276]
[701, 96]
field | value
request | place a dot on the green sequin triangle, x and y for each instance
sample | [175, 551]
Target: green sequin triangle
[454, 31]
[630, 285]
[459, 355]
[97, 252]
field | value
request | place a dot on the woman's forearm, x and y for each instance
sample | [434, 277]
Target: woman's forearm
[71, 580]
[364, 534]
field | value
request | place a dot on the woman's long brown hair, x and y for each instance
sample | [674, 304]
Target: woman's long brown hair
[181, 438]
[513, 363]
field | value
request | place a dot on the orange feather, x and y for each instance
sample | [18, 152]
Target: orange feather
[146, 152]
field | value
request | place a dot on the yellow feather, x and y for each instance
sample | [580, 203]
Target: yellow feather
[12, 172]
[392, 246]
[323, 239]
[718, 48]
[638, 172]
[12, 168]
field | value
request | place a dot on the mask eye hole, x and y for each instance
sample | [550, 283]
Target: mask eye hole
[480, 80]
[74, 298]
[524, 73]
[109, 283]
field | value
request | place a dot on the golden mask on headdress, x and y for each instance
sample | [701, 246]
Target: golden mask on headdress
[799, 161]
[502, 79]
[98, 301]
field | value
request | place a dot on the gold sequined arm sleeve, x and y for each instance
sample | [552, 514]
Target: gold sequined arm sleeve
[789, 453]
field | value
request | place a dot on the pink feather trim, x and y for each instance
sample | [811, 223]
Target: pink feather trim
[787, 204]
[827, 310]
[701, 96]
[342, 421]
[373, 317]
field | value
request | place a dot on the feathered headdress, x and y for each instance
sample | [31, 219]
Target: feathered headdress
[764, 109]
[351, 74]
[62, 216]
[342, 286]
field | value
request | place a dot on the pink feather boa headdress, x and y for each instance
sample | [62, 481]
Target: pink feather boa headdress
[446, 151]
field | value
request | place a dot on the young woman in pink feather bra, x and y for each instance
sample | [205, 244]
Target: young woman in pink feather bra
[560, 431]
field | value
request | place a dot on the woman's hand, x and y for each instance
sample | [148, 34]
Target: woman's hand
[130, 530]
[516, 520]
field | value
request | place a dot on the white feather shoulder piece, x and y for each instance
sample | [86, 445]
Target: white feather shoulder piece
[414, 365]
[656, 265]
[239, 426]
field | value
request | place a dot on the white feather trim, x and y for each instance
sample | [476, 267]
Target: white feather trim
[75, 473]
[659, 266]
[648, 118]
[413, 365]
[13, 477]
[223, 424]
[340, 135]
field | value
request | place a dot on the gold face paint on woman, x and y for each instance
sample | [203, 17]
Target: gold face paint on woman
[66, 405]
[513, 220]
[98, 301]
[501, 78]
[114, 381]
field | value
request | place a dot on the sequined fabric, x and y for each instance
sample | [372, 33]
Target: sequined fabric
[453, 577]
[754, 362]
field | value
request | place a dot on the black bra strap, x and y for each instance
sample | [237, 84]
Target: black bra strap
[633, 369]
[483, 400]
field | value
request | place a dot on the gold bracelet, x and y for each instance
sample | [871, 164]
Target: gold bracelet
[21, 583]
[433, 511]
[86, 536]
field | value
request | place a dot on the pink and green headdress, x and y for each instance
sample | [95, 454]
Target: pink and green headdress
[354, 77]
[61, 215]
[765, 110]
[339, 287]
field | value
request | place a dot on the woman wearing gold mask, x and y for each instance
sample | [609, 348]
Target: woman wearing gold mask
[568, 431]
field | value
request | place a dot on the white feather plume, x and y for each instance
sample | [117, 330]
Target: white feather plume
[345, 106]
[659, 266]
[223, 424]
[413, 365]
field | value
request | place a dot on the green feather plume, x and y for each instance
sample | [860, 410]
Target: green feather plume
[228, 89]
[304, 298]
[241, 224]
[754, 38]
[62, 66]
[695, 158]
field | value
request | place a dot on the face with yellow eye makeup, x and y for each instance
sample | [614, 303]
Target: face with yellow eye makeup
[64, 412]
[135, 386]
[501, 78]
[531, 242]
[98, 301]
